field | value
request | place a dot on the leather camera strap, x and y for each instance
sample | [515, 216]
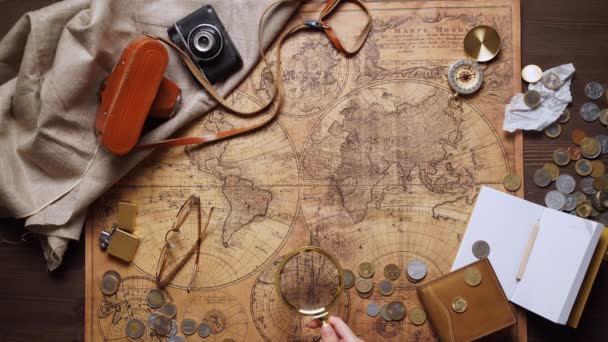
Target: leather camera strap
[277, 90]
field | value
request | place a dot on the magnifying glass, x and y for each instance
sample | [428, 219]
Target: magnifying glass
[309, 281]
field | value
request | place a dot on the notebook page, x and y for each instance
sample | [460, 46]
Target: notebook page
[505, 223]
[557, 265]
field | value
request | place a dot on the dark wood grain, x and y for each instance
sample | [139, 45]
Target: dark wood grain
[39, 306]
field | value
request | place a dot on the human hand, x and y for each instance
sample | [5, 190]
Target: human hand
[334, 331]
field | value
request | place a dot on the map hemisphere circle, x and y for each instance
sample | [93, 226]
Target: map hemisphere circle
[254, 209]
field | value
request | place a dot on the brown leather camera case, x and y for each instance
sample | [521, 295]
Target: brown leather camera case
[129, 94]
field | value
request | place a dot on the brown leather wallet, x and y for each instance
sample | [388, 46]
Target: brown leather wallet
[487, 308]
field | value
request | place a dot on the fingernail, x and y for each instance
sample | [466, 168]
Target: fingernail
[326, 331]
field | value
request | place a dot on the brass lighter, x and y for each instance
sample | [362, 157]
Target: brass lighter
[127, 212]
[123, 245]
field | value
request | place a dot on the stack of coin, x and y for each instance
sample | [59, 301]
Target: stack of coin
[364, 287]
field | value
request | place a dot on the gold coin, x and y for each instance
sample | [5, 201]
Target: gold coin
[349, 278]
[364, 285]
[386, 287]
[156, 298]
[565, 117]
[384, 313]
[417, 316]
[553, 169]
[511, 181]
[578, 135]
[604, 116]
[531, 73]
[135, 328]
[472, 276]
[459, 304]
[553, 130]
[590, 147]
[600, 183]
[584, 209]
[366, 269]
[365, 295]
[580, 197]
[532, 98]
[583, 167]
[597, 168]
[392, 271]
[110, 281]
[396, 310]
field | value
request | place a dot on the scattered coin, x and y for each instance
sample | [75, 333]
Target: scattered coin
[532, 98]
[373, 309]
[561, 157]
[176, 338]
[349, 279]
[552, 81]
[565, 184]
[594, 90]
[574, 152]
[580, 197]
[162, 325]
[594, 213]
[156, 298]
[596, 202]
[417, 316]
[553, 169]
[366, 269]
[385, 287]
[110, 281]
[472, 276]
[204, 330]
[364, 285]
[481, 249]
[584, 209]
[571, 202]
[511, 181]
[604, 116]
[553, 130]
[168, 310]
[151, 319]
[459, 304]
[597, 168]
[604, 198]
[416, 270]
[565, 117]
[603, 140]
[583, 167]
[188, 326]
[555, 200]
[600, 183]
[384, 313]
[396, 310]
[542, 178]
[578, 135]
[392, 271]
[531, 73]
[590, 148]
[587, 186]
[135, 328]
[173, 328]
[365, 295]
[590, 111]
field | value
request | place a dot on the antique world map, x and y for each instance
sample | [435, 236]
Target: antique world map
[367, 160]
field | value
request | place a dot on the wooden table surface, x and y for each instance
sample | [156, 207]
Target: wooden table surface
[39, 306]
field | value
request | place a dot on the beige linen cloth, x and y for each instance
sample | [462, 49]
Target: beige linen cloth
[52, 63]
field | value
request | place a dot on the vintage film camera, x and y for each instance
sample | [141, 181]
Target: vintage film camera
[201, 34]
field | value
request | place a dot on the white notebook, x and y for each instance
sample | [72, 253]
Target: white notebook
[558, 260]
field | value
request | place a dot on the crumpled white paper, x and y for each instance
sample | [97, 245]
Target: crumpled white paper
[553, 103]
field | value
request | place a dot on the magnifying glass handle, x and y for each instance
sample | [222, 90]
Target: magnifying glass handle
[323, 318]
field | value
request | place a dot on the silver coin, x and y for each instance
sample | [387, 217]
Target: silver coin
[481, 249]
[204, 330]
[188, 326]
[542, 177]
[590, 111]
[552, 81]
[572, 212]
[373, 309]
[565, 184]
[416, 270]
[587, 185]
[555, 200]
[565, 117]
[173, 328]
[135, 328]
[168, 310]
[176, 338]
[570, 204]
[603, 140]
[594, 90]
[151, 319]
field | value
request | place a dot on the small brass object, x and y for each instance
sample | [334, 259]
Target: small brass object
[127, 212]
[482, 43]
[123, 245]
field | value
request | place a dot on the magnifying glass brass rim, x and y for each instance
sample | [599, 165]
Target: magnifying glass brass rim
[320, 313]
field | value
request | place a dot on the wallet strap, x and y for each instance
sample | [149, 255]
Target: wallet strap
[277, 96]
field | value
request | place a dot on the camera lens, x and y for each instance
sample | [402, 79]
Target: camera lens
[205, 42]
